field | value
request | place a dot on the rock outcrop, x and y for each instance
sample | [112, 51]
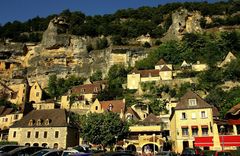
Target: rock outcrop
[55, 36]
[183, 22]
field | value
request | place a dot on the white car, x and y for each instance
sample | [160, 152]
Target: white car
[69, 152]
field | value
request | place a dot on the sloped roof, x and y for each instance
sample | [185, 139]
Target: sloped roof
[5, 111]
[57, 117]
[87, 89]
[215, 112]
[161, 62]
[184, 102]
[235, 110]
[118, 106]
[131, 111]
[151, 119]
[165, 68]
[147, 73]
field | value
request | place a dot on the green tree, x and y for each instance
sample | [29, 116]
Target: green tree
[96, 76]
[103, 128]
[157, 106]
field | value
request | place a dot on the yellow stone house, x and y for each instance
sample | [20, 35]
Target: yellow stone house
[192, 117]
[7, 117]
[35, 93]
[162, 72]
[47, 128]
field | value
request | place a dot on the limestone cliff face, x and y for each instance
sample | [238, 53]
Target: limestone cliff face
[55, 36]
[183, 22]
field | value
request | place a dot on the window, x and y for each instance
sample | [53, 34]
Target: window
[183, 117]
[204, 131]
[28, 134]
[95, 89]
[56, 134]
[37, 94]
[82, 90]
[39, 122]
[14, 134]
[192, 102]
[16, 117]
[6, 119]
[194, 131]
[184, 131]
[194, 115]
[96, 108]
[35, 87]
[203, 114]
[47, 121]
[110, 107]
[45, 134]
[31, 123]
[36, 134]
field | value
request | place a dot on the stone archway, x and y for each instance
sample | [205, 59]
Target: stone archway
[36, 144]
[132, 147]
[150, 148]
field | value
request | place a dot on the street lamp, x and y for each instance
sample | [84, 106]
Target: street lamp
[222, 130]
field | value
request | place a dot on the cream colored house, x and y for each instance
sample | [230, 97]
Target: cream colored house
[230, 57]
[146, 134]
[137, 76]
[161, 63]
[117, 106]
[49, 104]
[85, 95]
[18, 96]
[48, 128]
[192, 118]
[199, 66]
[35, 93]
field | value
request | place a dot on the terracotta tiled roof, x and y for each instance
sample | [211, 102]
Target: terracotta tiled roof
[57, 118]
[234, 110]
[87, 89]
[118, 106]
[131, 111]
[184, 102]
[147, 73]
[165, 68]
[161, 62]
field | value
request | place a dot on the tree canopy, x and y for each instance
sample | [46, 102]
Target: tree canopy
[103, 129]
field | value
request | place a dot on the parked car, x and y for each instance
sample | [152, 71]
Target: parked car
[70, 152]
[7, 148]
[192, 152]
[166, 153]
[117, 154]
[222, 153]
[48, 152]
[24, 151]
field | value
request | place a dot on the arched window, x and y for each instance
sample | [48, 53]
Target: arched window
[44, 145]
[27, 144]
[110, 107]
[55, 145]
[47, 122]
[31, 122]
[36, 144]
[39, 122]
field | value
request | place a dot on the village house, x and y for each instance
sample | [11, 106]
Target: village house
[7, 117]
[229, 58]
[48, 128]
[146, 135]
[199, 66]
[36, 92]
[84, 96]
[191, 117]
[46, 104]
[162, 72]
[116, 106]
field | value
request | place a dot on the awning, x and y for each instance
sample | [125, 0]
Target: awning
[194, 126]
[184, 126]
[230, 140]
[204, 126]
[203, 141]
[233, 122]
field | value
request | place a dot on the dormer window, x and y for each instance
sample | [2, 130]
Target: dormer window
[47, 121]
[149, 75]
[95, 89]
[39, 122]
[192, 102]
[82, 90]
[31, 122]
[110, 107]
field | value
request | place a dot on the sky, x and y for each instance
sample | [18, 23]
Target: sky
[22, 10]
